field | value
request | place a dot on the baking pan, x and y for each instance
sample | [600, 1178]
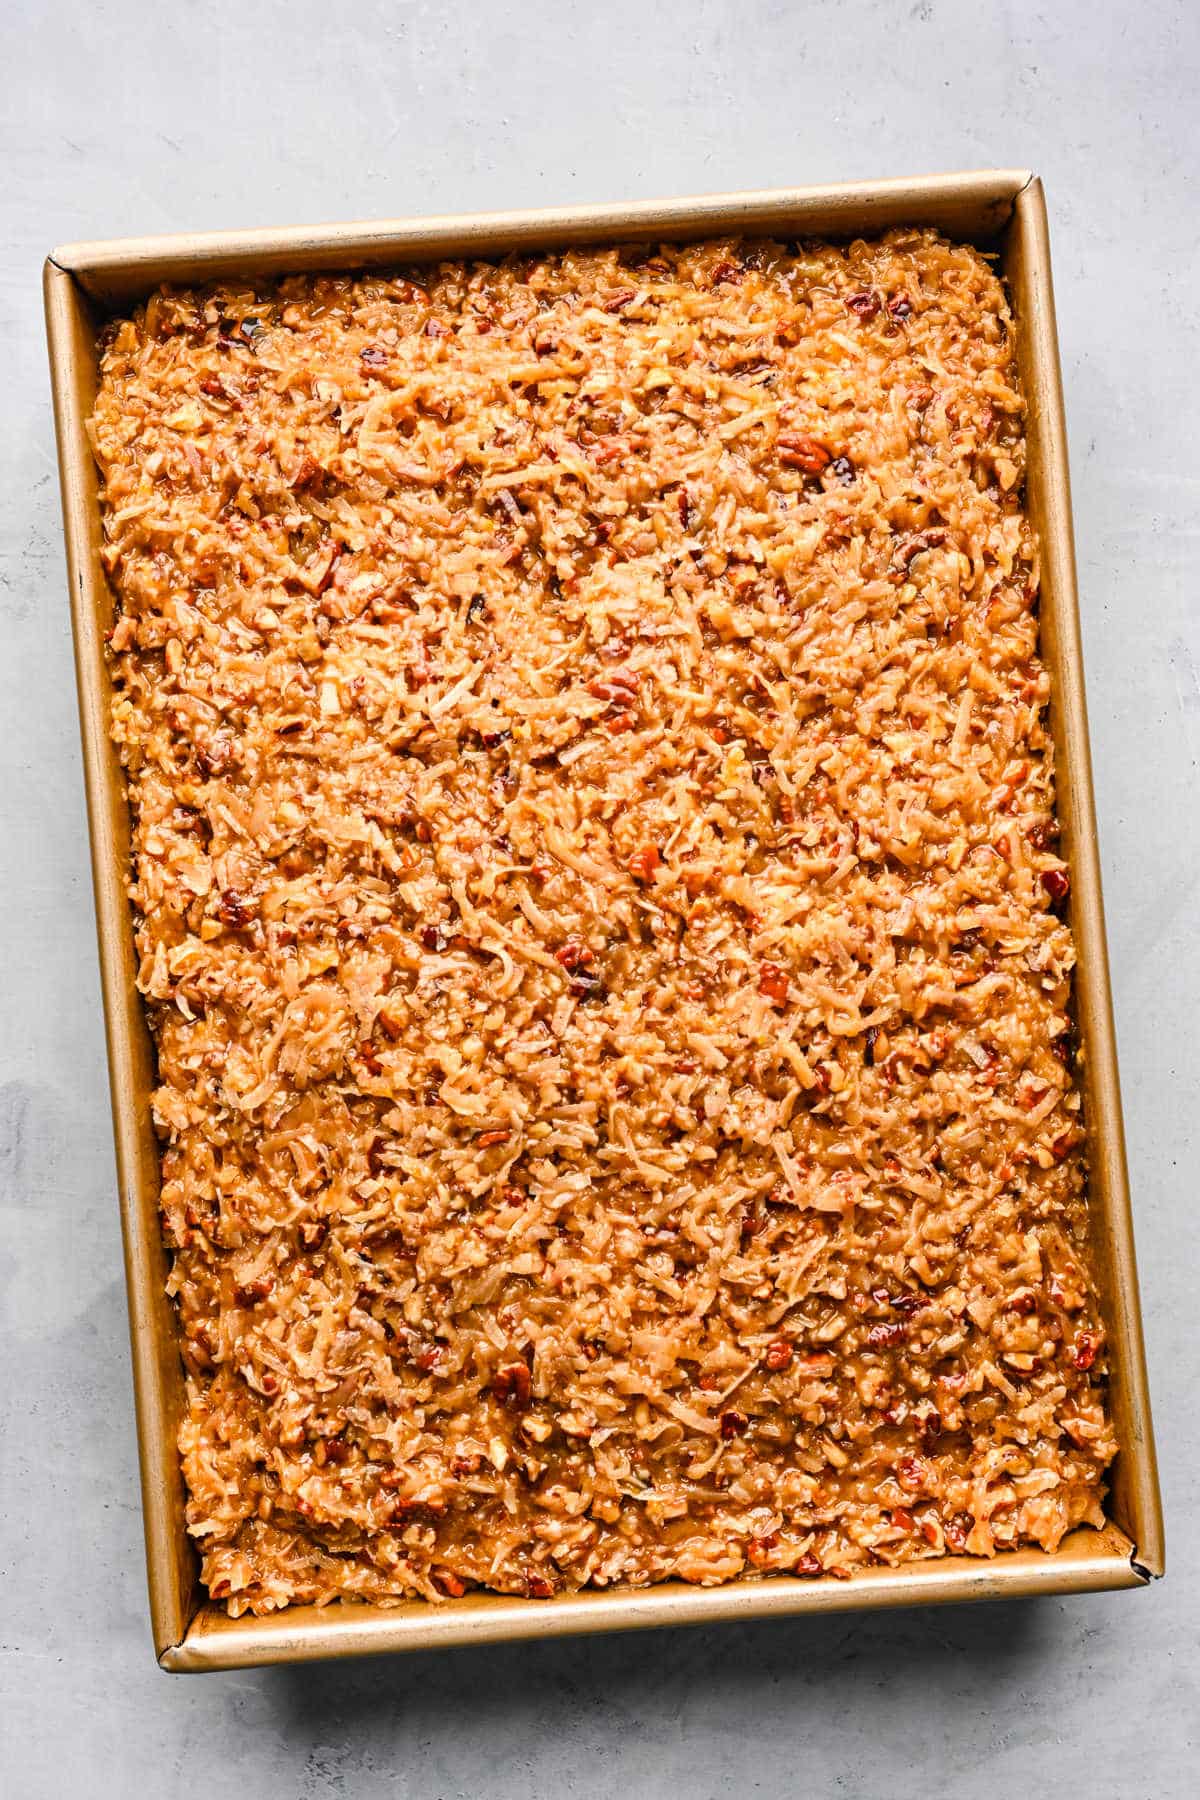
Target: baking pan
[1004, 213]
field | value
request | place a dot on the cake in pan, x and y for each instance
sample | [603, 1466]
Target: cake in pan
[598, 902]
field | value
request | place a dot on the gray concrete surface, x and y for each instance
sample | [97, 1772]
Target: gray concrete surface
[122, 118]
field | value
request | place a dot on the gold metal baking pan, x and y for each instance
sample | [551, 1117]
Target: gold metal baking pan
[1000, 210]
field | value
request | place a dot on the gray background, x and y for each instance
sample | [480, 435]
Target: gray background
[124, 118]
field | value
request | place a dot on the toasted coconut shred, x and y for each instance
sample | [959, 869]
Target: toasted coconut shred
[597, 897]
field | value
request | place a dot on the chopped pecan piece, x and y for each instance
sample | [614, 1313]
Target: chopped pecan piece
[619, 687]
[956, 1531]
[644, 862]
[773, 983]
[249, 1293]
[804, 453]
[512, 1384]
[916, 545]
[885, 1337]
[236, 909]
[758, 1549]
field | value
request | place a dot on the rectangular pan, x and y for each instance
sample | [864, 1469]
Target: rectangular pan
[1003, 212]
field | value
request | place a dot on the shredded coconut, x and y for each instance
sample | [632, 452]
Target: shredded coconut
[597, 896]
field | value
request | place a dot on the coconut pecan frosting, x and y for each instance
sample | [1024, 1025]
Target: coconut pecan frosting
[598, 901]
